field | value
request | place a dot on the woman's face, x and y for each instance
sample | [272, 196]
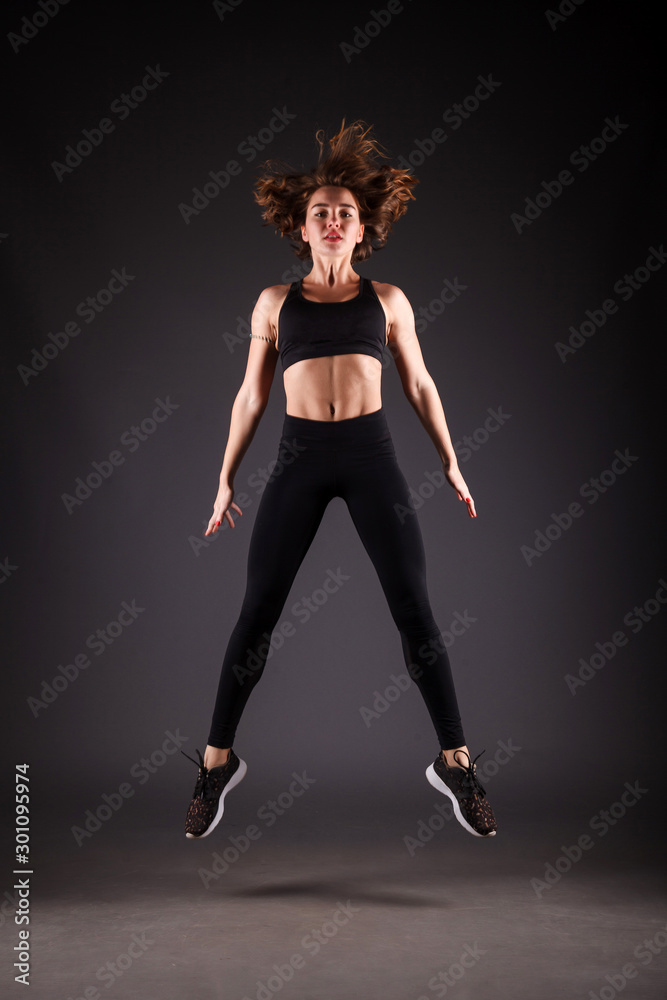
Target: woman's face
[332, 225]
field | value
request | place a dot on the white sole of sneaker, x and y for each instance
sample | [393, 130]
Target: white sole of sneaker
[434, 779]
[236, 778]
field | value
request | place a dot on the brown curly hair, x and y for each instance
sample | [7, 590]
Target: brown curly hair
[381, 191]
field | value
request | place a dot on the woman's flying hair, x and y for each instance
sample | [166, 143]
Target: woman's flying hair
[382, 192]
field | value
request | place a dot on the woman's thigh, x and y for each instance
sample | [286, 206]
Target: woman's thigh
[289, 513]
[378, 498]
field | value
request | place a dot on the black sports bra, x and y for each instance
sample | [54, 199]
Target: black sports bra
[308, 329]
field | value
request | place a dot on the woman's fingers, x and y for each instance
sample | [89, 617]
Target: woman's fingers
[216, 519]
[212, 526]
[229, 516]
[470, 504]
[456, 480]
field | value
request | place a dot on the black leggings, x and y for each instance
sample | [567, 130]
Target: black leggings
[317, 460]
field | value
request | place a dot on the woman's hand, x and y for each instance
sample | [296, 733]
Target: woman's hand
[455, 479]
[221, 508]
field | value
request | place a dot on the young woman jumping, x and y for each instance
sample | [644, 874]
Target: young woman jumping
[330, 330]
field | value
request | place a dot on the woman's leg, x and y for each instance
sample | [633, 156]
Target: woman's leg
[289, 514]
[377, 495]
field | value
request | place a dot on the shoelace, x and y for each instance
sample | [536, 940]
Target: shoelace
[469, 780]
[203, 787]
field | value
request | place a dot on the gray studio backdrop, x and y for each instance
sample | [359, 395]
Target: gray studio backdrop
[134, 252]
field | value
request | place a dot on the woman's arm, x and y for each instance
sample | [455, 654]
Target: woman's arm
[249, 404]
[420, 388]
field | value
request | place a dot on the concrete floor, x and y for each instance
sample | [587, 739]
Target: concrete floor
[323, 906]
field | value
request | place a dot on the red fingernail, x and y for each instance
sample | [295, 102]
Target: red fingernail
[468, 500]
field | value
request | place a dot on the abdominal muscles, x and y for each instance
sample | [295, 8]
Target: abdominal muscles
[333, 388]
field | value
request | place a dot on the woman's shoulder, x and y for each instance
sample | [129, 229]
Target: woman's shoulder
[391, 295]
[273, 292]
[271, 298]
[384, 288]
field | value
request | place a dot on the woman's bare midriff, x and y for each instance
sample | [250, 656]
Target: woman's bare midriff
[333, 388]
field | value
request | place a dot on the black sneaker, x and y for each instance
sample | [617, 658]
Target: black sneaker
[461, 784]
[207, 806]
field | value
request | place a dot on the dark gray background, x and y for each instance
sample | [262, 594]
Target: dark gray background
[164, 336]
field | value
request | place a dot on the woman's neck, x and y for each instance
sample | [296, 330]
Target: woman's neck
[332, 274]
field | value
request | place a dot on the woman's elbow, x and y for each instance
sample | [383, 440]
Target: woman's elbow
[253, 397]
[415, 387]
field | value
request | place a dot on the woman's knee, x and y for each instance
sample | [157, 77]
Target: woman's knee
[259, 613]
[415, 618]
